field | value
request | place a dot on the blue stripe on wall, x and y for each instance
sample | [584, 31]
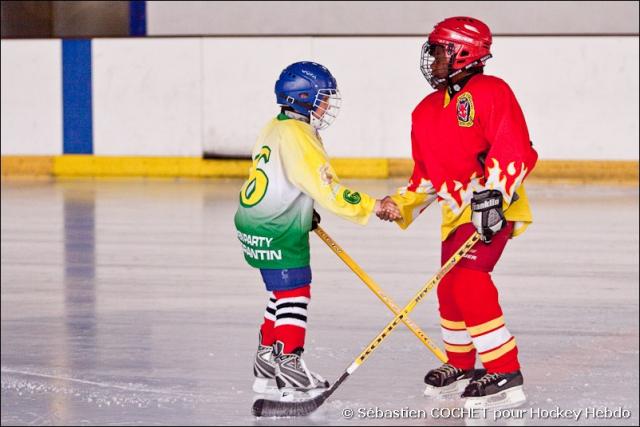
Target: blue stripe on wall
[76, 97]
[137, 18]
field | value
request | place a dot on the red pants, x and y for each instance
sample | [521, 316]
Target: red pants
[471, 317]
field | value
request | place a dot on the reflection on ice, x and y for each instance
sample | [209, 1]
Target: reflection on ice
[127, 302]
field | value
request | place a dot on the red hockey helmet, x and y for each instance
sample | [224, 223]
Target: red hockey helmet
[466, 42]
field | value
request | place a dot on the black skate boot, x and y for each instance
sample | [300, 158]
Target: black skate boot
[292, 374]
[264, 367]
[447, 380]
[495, 391]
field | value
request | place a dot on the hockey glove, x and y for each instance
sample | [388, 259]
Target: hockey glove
[315, 220]
[487, 213]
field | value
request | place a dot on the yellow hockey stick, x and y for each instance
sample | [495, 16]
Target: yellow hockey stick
[371, 284]
[275, 408]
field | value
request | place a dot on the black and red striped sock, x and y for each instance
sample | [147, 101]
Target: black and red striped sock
[268, 337]
[291, 317]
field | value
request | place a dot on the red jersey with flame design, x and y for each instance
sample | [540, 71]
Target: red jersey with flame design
[448, 137]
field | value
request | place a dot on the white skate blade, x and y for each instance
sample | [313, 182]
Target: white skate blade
[261, 386]
[509, 398]
[290, 395]
[452, 390]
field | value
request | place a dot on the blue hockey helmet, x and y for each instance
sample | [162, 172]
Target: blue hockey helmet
[309, 89]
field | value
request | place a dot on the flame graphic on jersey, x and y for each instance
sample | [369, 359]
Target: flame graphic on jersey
[460, 195]
[425, 187]
[505, 182]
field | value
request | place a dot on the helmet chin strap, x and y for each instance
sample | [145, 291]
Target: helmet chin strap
[447, 82]
[469, 66]
[295, 115]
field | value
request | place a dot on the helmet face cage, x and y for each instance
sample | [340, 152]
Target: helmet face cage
[427, 58]
[325, 108]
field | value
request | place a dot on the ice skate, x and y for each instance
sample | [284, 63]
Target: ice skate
[495, 391]
[264, 369]
[292, 375]
[447, 381]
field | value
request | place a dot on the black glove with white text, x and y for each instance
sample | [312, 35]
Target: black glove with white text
[487, 213]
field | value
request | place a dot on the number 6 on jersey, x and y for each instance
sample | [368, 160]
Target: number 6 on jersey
[255, 187]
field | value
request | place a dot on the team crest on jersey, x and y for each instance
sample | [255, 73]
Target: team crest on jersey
[465, 111]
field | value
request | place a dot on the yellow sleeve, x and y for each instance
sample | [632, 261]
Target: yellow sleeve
[412, 203]
[307, 167]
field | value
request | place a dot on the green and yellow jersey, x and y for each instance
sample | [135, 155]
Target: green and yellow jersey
[290, 171]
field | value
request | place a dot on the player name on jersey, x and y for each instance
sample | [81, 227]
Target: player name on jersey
[251, 242]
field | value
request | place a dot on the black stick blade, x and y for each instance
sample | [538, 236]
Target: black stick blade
[274, 408]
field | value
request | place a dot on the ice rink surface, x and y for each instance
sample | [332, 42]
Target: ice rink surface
[128, 302]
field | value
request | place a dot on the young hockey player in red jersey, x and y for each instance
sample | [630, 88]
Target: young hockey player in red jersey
[472, 151]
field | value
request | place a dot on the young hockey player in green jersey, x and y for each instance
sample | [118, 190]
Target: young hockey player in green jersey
[290, 172]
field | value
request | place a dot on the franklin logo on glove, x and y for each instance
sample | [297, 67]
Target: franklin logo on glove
[487, 215]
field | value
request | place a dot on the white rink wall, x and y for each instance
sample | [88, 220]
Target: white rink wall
[181, 97]
[147, 97]
[31, 96]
